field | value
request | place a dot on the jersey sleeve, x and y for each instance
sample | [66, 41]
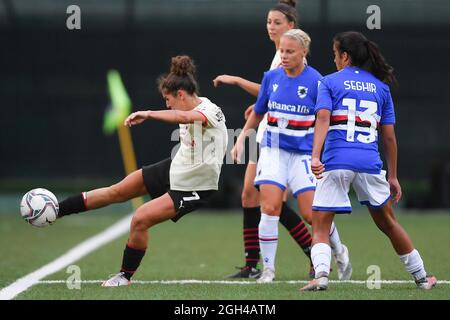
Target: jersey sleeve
[388, 113]
[263, 96]
[212, 114]
[324, 100]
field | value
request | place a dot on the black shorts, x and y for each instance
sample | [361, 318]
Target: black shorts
[157, 182]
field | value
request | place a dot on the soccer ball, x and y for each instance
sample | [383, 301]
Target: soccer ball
[39, 207]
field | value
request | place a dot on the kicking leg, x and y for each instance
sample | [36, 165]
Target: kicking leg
[130, 187]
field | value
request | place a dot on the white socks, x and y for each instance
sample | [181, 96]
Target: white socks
[321, 258]
[268, 239]
[414, 264]
[335, 241]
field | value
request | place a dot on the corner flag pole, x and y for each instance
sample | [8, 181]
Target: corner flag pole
[114, 117]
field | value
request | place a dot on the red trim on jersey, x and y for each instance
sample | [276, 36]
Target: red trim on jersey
[344, 118]
[295, 123]
[205, 119]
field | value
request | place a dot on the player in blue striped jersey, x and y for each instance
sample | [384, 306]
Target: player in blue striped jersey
[353, 104]
[288, 96]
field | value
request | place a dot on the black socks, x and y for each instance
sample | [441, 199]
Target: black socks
[131, 260]
[71, 205]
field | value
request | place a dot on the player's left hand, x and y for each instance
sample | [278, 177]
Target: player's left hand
[317, 167]
[396, 190]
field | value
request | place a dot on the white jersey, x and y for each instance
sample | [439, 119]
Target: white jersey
[276, 62]
[197, 163]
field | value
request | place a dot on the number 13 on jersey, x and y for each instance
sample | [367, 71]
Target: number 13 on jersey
[368, 115]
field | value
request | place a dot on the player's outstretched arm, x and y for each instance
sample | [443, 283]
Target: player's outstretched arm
[249, 86]
[320, 133]
[170, 116]
[390, 146]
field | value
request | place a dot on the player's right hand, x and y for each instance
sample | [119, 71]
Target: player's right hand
[317, 167]
[135, 118]
[238, 149]
[225, 79]
[396, 189]
[248, 111]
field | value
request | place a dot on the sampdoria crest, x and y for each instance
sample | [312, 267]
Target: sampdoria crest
[302, 92]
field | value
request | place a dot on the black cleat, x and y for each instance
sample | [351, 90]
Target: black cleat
[246, 272]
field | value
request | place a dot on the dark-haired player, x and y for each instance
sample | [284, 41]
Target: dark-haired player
[353, 106]
[177, 186]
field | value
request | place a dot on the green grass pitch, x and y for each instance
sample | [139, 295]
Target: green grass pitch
[207, 246]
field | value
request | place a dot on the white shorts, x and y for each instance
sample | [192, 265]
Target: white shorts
[285, 169]
[332, 190]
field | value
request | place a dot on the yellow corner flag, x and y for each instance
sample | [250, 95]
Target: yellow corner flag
[115, 115]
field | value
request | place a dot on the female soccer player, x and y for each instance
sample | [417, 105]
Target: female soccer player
[176, 186]
[281, 18]
[288, 96]
[352, 105]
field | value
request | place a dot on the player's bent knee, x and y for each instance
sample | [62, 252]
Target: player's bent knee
[271, 209]
[140, 223]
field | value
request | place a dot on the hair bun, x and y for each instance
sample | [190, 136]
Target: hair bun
[291, 3]
[182, 66]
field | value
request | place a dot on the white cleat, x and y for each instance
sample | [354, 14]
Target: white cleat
[117, 280]
[427, 283]
[318, 284]
[267, 276]
[344, 267]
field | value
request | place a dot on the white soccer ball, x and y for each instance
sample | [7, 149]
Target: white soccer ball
[39, 207]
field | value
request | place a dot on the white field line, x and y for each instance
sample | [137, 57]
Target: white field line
[113, 232]
[193, 281]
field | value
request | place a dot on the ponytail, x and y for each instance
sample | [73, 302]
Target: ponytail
[181, 77]
[378, 65]
[365, 54]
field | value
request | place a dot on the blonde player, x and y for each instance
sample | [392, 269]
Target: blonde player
[288, 96]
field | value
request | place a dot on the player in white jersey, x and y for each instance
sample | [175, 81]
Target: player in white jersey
[176, 186]
[353, 106]
[288, 96]
[280, 18]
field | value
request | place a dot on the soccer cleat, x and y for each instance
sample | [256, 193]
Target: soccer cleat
[267, 276]
[317, 284]
[117, 280]
[426, 283]
[344, 267]
[246, 272]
